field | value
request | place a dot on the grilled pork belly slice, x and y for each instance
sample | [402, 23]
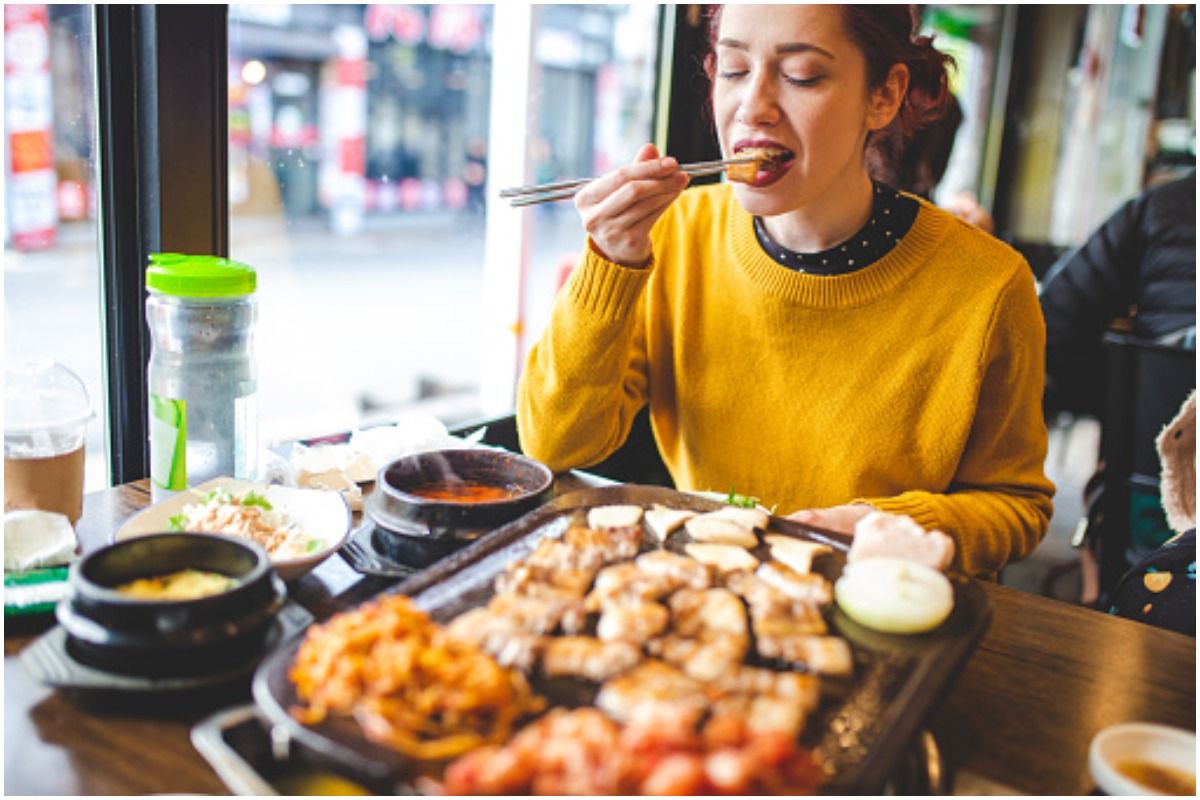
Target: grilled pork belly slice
[608, 545]
[802, 688]
[541, 615]
[624, 583]
[896, 536]
[825, 655]
[709, 633]
[707, 612]
[681, 571]
[703, 659]
[499, 636]
[762, 713]
[651, 691]
[588, 658]
[632, 621]
[533, 581]
[808, 588]
[773, 614]
[649, 577]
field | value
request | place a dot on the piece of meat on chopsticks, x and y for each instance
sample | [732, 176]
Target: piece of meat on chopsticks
[587, 657]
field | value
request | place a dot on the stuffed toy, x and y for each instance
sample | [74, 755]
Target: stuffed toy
[1161, 589]
[1177, 453]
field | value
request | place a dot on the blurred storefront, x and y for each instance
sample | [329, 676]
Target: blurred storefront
[48, 122]
[391, 113]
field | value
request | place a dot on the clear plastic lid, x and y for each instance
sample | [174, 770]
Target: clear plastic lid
[43, 395]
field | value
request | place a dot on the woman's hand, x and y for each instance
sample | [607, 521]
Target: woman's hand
[619, 208]
[840, 519]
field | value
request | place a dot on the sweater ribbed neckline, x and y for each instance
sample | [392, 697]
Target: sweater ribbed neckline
[834, 291]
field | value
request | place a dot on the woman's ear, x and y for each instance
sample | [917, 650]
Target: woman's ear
[886, 100]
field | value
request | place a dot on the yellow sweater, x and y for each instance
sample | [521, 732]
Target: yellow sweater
[914, 384]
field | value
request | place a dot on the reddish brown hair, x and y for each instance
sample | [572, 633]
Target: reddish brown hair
[886, 35]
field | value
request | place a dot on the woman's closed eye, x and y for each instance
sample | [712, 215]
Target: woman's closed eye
[813, 81]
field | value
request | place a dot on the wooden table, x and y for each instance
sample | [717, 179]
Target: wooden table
[1046, 678]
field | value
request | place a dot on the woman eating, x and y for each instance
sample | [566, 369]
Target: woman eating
[808, 337]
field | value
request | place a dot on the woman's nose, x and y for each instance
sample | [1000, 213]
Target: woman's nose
[758, 105]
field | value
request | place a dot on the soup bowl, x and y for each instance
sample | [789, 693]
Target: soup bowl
[444, 493]
[161, 637]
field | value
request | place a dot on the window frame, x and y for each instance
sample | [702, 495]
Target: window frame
[162, 143]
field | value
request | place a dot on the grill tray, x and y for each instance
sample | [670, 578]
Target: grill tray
[860, 732]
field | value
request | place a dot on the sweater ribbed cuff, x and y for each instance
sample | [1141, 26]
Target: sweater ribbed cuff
[906, 505]
[605, 289]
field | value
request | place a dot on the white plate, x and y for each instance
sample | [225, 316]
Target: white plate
[321, 515]
[1139, 741]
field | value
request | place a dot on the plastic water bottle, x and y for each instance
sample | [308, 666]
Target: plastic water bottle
[202, 378]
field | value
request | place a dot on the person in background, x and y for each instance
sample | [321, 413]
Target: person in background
[1161, 589]
[1137, 268]
[811, 338]
[1139, 264]
[475, 174]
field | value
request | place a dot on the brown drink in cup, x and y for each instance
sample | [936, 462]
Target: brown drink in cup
[46, 410]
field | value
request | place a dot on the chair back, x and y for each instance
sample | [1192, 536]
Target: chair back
[1147, 383]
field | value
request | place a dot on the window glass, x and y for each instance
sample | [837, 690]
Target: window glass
[359, 154]
[51, 266]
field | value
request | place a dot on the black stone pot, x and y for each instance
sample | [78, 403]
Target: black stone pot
[418, 530]
[170, 638]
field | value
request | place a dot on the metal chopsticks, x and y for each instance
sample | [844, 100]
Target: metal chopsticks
[561, 190]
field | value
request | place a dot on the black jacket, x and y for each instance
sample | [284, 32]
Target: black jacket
[1141, 259]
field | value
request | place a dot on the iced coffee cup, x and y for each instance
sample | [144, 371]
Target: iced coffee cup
[46, 411]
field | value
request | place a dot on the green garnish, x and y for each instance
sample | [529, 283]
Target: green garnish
[314, 545]
[219, 495]
[177, 522]
[252, 499]
[740, 500]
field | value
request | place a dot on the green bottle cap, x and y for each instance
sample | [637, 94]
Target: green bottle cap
[182, 275]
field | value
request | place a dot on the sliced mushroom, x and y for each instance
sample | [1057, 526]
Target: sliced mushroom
[725, 557]
[602, 517]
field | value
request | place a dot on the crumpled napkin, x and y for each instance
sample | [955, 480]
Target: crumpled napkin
[34, 539]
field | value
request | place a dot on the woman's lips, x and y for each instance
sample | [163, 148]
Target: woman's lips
[765, 178]
[778, 160]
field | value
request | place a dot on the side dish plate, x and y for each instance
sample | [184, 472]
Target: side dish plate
[863, 726]
[320, 514]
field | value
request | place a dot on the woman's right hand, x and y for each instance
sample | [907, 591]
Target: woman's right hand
[619, 208]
